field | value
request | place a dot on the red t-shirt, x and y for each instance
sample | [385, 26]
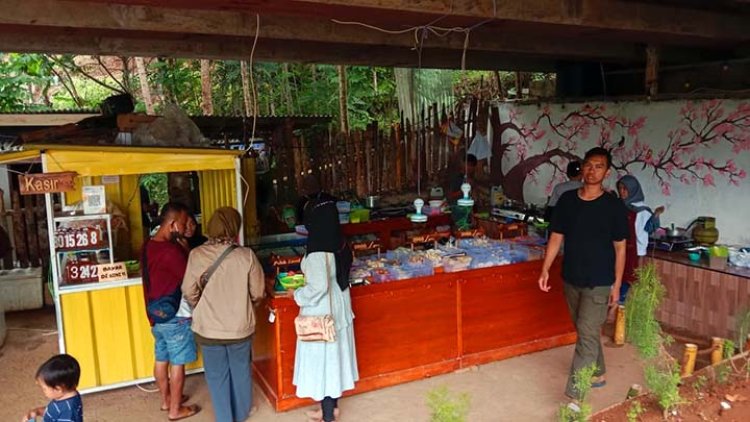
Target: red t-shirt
[166, 263]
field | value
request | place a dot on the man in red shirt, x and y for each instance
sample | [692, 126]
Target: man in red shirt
[165, 262]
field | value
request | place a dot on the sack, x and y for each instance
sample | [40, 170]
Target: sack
[318, 327]
[315, 328]
[165, 308]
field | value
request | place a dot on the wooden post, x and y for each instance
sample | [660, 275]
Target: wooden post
[717, 350]
[652, 70]
[32, 237]
[619, 335]
[688, 359]
[19, 231]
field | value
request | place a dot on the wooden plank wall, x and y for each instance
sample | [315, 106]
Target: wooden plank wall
[26, 222]
[378, 160]
[700, 301]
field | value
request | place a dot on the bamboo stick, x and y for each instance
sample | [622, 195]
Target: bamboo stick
[688, 359]
[717, 350]
[619, 334]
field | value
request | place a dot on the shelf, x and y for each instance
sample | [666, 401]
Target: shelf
[81, 217]
[81, 250]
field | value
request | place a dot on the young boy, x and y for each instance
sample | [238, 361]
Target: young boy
[58, 378]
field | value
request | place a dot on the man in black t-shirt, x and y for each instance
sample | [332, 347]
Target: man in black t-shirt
[593, 224]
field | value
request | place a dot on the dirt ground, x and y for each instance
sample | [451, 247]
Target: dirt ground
[526, 388]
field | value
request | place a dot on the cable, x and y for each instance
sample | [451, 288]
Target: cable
[156, 390]
[252, 82]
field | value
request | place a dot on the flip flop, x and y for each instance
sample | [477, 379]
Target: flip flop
[183, 400]
[599, 384]
[192, 410]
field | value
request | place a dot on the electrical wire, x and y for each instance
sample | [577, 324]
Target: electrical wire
[155, 390]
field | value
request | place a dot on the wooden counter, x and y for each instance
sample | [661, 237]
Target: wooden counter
[412, 329]
[701, 298]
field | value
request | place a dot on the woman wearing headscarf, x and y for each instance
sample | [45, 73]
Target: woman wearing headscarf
[323, 371]
[223, 314]
[642, 222]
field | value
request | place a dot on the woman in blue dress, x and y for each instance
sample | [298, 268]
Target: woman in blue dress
[323, 371]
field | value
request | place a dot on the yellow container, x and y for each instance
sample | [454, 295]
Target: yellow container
[361, 215]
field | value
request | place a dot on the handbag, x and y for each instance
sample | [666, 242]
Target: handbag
[203, 280]
[318, 328]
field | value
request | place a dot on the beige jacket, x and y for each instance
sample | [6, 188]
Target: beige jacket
[225, 311]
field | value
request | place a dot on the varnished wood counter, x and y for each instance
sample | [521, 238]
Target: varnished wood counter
[412, 329]
[704, 263]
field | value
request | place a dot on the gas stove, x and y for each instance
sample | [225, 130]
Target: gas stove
[508, 213]
[670, 244]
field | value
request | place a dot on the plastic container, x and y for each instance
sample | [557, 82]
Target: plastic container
[344, 207]
[343, 218]
[694, 256]
[291, 280]
[360, 215]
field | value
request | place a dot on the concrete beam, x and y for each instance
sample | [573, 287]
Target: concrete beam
[129, 43]
[656, 19]
[161, 20]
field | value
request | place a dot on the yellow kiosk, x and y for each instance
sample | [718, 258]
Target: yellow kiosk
[103, 323]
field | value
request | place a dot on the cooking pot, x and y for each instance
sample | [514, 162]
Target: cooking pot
[372, 201]
[675, 232]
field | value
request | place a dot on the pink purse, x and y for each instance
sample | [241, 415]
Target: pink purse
[318, 327]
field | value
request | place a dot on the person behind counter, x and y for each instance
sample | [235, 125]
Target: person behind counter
[311, 190]
[594, 226]
[574, 182]
[322, 370]
[223, 282]
[193, 237]
[641, 222]
[469, 166]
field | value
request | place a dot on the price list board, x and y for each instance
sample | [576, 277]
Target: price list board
[82, 243]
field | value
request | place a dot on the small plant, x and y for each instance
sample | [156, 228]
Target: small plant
[446, 408]
[582, 380]
[743, 329]
[641, 327]
[700, 383]
[634, 411]
[665, 384]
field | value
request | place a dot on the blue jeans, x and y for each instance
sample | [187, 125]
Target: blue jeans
[229, 379]
[174, 342]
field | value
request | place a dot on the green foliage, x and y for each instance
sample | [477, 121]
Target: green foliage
[664, 382]
[634, 411]
[743, 328]
[641, 327]
[446, 408]
[582, 381]
[25, 80]
[722, 372]
[157, 186]
[729, 348]
[700, 383]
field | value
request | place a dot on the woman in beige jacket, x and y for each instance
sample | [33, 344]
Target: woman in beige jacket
[223, 315]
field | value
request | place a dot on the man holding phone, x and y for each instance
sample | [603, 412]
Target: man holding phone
[163, 266]
[593, 224]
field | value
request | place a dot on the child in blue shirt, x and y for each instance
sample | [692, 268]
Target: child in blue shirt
[58, 378]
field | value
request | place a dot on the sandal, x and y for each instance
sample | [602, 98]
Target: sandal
[183, 400]
[191, 410]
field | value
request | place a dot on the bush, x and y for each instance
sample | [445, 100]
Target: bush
[446, 408]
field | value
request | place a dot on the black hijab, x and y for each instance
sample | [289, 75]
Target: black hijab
[324, 235]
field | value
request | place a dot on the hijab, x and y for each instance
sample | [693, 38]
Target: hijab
[635, 194]
[324, 235]
[224, 225]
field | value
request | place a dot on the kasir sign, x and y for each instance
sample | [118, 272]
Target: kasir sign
[34, 184]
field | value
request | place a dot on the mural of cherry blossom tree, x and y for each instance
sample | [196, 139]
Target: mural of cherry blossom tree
[513, 141]
[702, 126]
[684, 159]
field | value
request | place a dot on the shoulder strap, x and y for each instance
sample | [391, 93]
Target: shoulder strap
[328, 281]
[210, 271]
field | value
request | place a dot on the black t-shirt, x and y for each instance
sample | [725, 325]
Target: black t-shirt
[589, 228]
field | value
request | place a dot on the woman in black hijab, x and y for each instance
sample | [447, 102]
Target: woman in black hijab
[323, 371]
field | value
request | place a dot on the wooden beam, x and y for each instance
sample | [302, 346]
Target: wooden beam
[128, 43]
[41, 119]
[610, 15]
[163, 21]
